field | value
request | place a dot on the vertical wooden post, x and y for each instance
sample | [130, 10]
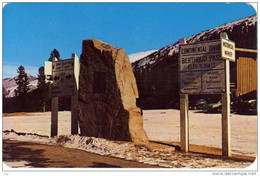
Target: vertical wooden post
[74, 114]
[54, 116]
[226, 134]
[226, 149]
[184, 122]
[184, 115]
[74, 98]
[54, 111]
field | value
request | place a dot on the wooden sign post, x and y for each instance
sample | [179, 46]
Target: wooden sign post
[74, 98]
[54, 111]
[65, 83]
[184, 118]
[226, 132]
[204, 69]
[184, 122]
[54, 116]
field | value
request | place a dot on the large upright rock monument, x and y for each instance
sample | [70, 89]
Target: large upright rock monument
[107, 94]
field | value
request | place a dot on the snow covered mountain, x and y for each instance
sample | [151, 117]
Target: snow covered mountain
[10, 85]
[157, 74]
[235, 31]
[136, 56]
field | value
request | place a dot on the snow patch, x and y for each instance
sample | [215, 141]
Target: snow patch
[137, 56]
[17, 164]
[124, 150]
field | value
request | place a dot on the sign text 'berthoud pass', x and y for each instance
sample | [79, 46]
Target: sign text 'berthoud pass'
[202, 70]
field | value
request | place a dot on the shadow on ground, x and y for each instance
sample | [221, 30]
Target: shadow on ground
[15, 153]
[55, 156]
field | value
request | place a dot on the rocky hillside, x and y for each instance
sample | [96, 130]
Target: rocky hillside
[10, 85]
[157, 73]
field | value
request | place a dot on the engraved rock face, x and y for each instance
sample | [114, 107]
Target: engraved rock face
[107, 94]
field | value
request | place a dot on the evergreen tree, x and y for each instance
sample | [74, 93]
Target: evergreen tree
[41, 79]
[54, 53]
[22, 82]
[22, 88]
[42, 88]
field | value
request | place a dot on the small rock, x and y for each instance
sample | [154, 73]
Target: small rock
[89, 141]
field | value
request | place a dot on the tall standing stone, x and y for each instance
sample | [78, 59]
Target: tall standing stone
[107, 94]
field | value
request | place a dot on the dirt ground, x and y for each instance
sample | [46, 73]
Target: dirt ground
[204, 129]
[160, 125]
[46, 156]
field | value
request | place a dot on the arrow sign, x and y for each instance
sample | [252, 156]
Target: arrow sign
[56, 78]
[68, 76]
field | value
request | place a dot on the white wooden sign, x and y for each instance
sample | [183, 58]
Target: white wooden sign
[201, 68]
[48, 68]
[228, 50]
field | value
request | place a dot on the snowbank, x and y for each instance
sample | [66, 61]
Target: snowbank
[127, 151]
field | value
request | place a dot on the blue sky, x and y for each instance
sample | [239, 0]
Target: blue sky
[32, 30]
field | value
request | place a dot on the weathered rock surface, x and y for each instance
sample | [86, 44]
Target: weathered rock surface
[107, 94]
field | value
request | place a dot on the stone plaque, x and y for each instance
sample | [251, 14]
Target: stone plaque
[99, 84]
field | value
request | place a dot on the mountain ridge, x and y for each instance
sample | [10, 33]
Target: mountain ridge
[157, 75]
[10, 85]
[209, 34]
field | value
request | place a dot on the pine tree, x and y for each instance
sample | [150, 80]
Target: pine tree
[41, 79]
[22, 82]
[42, 88]
[22, 88]
[54, 53]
